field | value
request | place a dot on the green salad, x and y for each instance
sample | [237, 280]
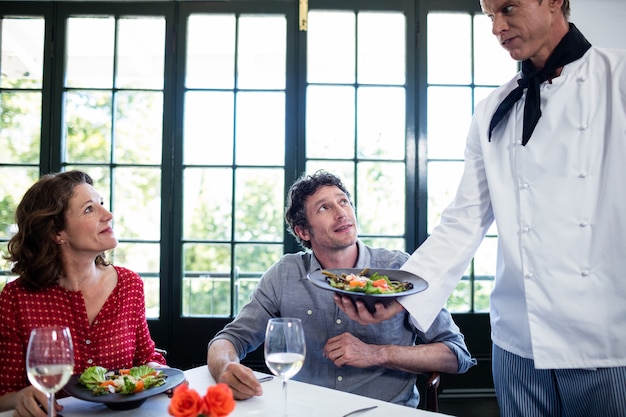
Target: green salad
[123, 381]
[366, 283]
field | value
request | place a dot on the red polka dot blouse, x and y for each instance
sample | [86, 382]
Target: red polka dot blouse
[118, 337]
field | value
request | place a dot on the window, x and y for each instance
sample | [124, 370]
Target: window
[456, 82]
[112, 128]
[21, 84]
[356, 113]
[195, 117]
[233, 157]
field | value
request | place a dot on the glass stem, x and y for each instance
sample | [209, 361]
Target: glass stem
[50, 404]
[285, 396]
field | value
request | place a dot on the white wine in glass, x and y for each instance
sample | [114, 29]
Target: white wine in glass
[50, 360]
[285, 349]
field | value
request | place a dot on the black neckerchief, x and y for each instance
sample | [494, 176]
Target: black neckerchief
[572, 47]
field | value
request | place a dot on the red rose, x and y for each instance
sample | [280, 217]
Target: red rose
[218, 401]
[185, 402]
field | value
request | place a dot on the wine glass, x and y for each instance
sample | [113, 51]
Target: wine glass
[285, 349]
[50, 360]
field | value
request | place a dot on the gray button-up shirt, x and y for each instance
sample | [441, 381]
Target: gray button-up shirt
[285, 291]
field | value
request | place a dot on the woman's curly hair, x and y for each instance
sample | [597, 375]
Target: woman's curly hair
[303, 188]
[33, 252]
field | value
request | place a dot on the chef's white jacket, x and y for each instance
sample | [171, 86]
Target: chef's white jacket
[560, 209]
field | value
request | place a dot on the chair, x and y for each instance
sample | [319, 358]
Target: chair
[428, 387]
[431, 400]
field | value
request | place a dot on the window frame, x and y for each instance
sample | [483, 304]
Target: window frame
[171, 328]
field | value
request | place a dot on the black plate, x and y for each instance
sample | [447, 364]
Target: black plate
[124, 401]
[419, 284]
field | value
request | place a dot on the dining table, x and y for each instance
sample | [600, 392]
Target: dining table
[303, 400]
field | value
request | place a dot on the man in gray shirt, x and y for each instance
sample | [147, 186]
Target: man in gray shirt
[380, 360]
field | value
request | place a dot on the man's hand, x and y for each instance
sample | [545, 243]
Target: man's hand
[347, 349]
[358, 312]
[241, 380]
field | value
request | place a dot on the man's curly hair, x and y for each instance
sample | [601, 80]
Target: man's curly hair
[303, 188]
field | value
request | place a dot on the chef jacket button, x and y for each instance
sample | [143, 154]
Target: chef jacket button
[582, 175]
[581, 79]
[338, 321]
[582, 128]
[339, 378]
[526, 229]
[583, 224]
[524, 186]
[585, 273]
[529, 275]
[309, 312]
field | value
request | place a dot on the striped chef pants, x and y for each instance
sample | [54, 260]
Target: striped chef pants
[524, 391]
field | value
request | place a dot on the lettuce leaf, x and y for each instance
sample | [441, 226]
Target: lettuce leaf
[93, 376]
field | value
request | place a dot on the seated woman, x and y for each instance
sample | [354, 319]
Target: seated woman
[64, 279]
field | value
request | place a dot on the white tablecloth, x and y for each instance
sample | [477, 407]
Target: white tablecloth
[304, 400]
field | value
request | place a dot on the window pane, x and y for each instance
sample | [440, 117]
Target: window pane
[331, 47]
[206, 295]
[144, 259]
[206, 280]
[137, 204]
[207, 204]
[20, 127]
[493, 65]
[262, 50]
[381, 126]
[201, 259]
[89, 60]
[380, 199]
[101, 176]
[11, 193]
[251, 261]
[449, 48]
[211, 51]
[484, 271]
[460, 300]
[449, 116]
[138, 127]
[482, 292]
[382, 46]
[259, 204]
[141, 55]
[330, 117]
[343, 169]
[387, 243]
[152, 293]
[208, 128]
[260, 138]
[443, 181]
[481, 93]
[21, 60]
[485, 259]
[88, 126]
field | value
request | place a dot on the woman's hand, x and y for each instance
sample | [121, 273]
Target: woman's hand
[30, 402]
